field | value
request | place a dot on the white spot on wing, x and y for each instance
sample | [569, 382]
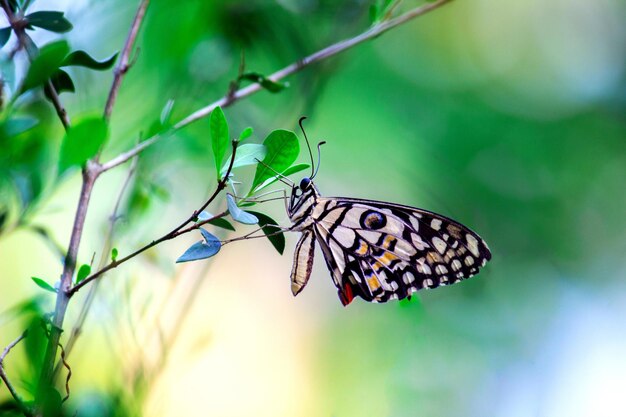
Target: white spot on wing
[441, 269]
[456, 265]
[440, 245]
[472, 245]
[435, 224]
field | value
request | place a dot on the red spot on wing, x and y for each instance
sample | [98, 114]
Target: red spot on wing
[347, 295]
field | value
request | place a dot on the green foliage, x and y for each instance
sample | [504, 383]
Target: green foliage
[246, 133]
[270, 228]
[48, 20]
[83, 272]
[269, 85]
[248, 154]
[282, 150]
[219, 222]
[203, 249]
[238, 214]
[5, 34]
[219, 137]
[83, 59]
[48, 61]
[81, 142]
[43, 284]
[114, 253]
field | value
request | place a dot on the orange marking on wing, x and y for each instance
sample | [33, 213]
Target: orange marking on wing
[387, 258]
[373, 283]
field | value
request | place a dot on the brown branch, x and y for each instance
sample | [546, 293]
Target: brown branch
[18, 399]
[124, 61]
[179, 230]
[17, 23]
[106, 250]
[321, 55]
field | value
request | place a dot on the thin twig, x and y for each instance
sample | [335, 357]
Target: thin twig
[69, 373]
[321, 55]
[124, 61]
[179, 230]
[25, 42]
[18, 399]
[106, 250]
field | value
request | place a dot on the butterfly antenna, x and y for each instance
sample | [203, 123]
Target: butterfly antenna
[319, 158]
[280, 176]
[308, 145]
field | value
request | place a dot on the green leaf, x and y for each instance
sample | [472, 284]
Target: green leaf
[5, 34]
[248, 154]
[81, 142]
[270, 227]
[166, 113]
[83, 59]
[219, 136]
[223, 223]
[62, 81]
[43, 284]
[238, 214]
[83, 272]
[219, 222]
[52, 21]
[45, 64]
[269, 85]
[246, 133]
[282, 150]
[17, 125]
[114, 254]
[201, 250]
[295, 168]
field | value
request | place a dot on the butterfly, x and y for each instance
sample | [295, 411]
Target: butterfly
[376, 250]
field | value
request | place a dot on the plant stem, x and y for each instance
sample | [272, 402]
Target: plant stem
[179, 230]
[123, 63]
[90, 174]
[321, 55]
[20, 402]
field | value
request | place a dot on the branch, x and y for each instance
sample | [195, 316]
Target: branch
[25, 41]
[321, 55]
[106, 250]
[123, 64]
[179, 230]
[20, 402]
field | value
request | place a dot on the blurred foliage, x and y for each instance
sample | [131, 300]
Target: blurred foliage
[507, 116]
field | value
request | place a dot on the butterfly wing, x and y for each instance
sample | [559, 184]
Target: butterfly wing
[381, 251]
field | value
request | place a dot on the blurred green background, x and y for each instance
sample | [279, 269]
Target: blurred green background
[508, 116]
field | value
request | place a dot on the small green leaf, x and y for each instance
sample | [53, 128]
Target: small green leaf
[83, 272]
[43, 284]
[295, 168]
[83, 59]
[17, 125]
[5, 34]
[81, 142]
[219, 136]
[62, 81]
[223, 223]
[114, 254]
[52, 21]
[45, 64]
[248, 154]
[270, 227]
[269, 85]
[201, 250]
[219, 222]
[166, 113]
[282, 150]
[246, 133]
[238, 214]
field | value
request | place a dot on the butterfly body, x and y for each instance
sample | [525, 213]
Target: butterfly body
[376, 250]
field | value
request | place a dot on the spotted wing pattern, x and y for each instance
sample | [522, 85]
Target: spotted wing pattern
[381, 251]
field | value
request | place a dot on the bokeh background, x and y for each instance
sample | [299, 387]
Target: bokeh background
[508, 116]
